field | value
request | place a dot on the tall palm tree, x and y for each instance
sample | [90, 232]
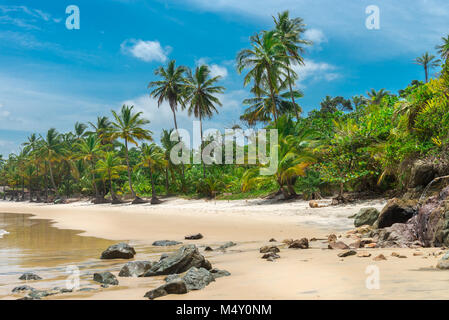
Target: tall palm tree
[200, 91]
[128, 125]
[168, 145]
[428, 61]
[110, 167]
[101, 129]
[80, 130]
[443, 49]
[88, 151]
[51, 150]
[377, 96]
[152, 158]
[32, 148]
[170, 89]
[289, 32]
[267, 63]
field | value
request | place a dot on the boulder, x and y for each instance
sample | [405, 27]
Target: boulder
[182, 260]
[197, 278]
[380, 257]
[106, 278]
[171, 277]
[300, 244]
[267, 249]
[338, 245]
[422, 173]
[39, 294]
[22, 289]
[396, 211]
[399, 235]
[119, 251]
[197, 236]
[271, 256]
[208, 249]
[135, 268]
[163, 256]
[217, 273]
[227, 245]
[444, 262]
[366, 216]
[174, 287]
[165, 243]
[332, 238]
[29, 276]
[347, 253]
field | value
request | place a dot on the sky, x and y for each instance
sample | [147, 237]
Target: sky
[51, 76]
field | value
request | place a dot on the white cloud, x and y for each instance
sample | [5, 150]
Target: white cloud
[215, 69]
[145, 50]
[24, 17]
[316, 36]
[315, 71]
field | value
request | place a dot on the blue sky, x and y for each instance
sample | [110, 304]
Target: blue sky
[52, 77]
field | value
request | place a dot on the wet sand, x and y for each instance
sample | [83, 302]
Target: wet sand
[316, 273]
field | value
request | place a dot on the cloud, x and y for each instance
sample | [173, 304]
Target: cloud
[24, 17]
[145, 50]
[316, 36]
[315, 71]
[215, 69]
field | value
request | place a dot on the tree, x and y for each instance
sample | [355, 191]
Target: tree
[267, 63]
[443, 49]
[332, 105]
[101, 129]
[167, 144]
[428, 61]
[170, 89]
[200, 91]
[80, 130]
[110, 167]
[52, 151]
[129, 127]
[152, 158]
[377, 96]
[289, 32]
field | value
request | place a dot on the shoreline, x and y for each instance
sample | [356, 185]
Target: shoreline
[315, 273]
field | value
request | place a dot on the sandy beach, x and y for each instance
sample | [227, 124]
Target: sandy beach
[315, 273]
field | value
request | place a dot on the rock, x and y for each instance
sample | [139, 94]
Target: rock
[370, 245]
[267, 249]
[332, 238]
[287, 241]
[338, 245]
[227, 245]
[182, 260]
[365, 241]
[399, 235]
[171, 277]
[300, 244]
[356, 245]
[416, 254]
[165, 243]
[106, 278]
[272, 240]
[58, 201]
[22, 288]
[270, 255]
[163, 256]
[135, 268]
[366, 216]
[39, 294]
[174, 287]
[443, 264]
[208, 249]
[380, 257]
[119, 251]
[422, 173]
[396, 211]
[87, 289]
[194, 237]
[313, 204]
[216, 273]
[364, 255]
[347, 253]
[197, 279]
[29, 276]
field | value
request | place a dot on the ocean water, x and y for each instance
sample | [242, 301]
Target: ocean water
[3, 232]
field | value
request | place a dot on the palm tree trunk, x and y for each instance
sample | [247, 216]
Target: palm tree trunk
[129, 169]
[201, 147]
[38, 196]
[179, 139]
[154, 199]
[31, 191]
[166, 181]
[291, 93]
[52, 179]
[426, 70]
[46, 183]
[97, 196]
[273, 102]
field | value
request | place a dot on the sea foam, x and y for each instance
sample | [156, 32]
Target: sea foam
[3, 232]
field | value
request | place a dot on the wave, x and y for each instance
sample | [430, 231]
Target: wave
[3, 232]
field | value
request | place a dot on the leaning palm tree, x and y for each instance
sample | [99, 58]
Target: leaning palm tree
[128, 125]
[289, 32]
[88, 150]
[52, 150]
[110, 167]
[377, 96]
[152, 158]
[200, 91]
[428, 61]
[443, 49]
[170, 89]
[267, 62]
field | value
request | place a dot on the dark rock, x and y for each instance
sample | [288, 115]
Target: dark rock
[347, 253]
[65, 290]
[197, 279]
[194, 237]
[163, 256]
[422, 173]
[39, 294]
[29, 276]
[22, 288]
[227, 245]
[396, 211]
[443, 264]
[399, 235]
[59, 201]
[171, 277]
[87, 289]
[166, 243]
[182, 260]
[272, 240]
[267, 249]
[366, 216]
[135, 268]
[119, 251]
[106, 278]
[338, 245]
[173, 287]
[270, 255]
[300, 244]
[216, 273]
[208, 249]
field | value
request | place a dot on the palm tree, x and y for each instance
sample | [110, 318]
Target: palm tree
[377, 96]
[170, 89]
[200, 90]
[268, 64]
[51, 150]
[443, 49]
[88, 151]
[101, 129]
[167, 144]
[428, 61]
[289, 32]
[110, 167]
[128, 126]
[80, 130]
[32, 148]
[152, 158]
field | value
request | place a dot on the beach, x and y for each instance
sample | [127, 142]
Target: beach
[314, 273]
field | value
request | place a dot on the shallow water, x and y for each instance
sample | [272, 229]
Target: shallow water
[35, 245]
